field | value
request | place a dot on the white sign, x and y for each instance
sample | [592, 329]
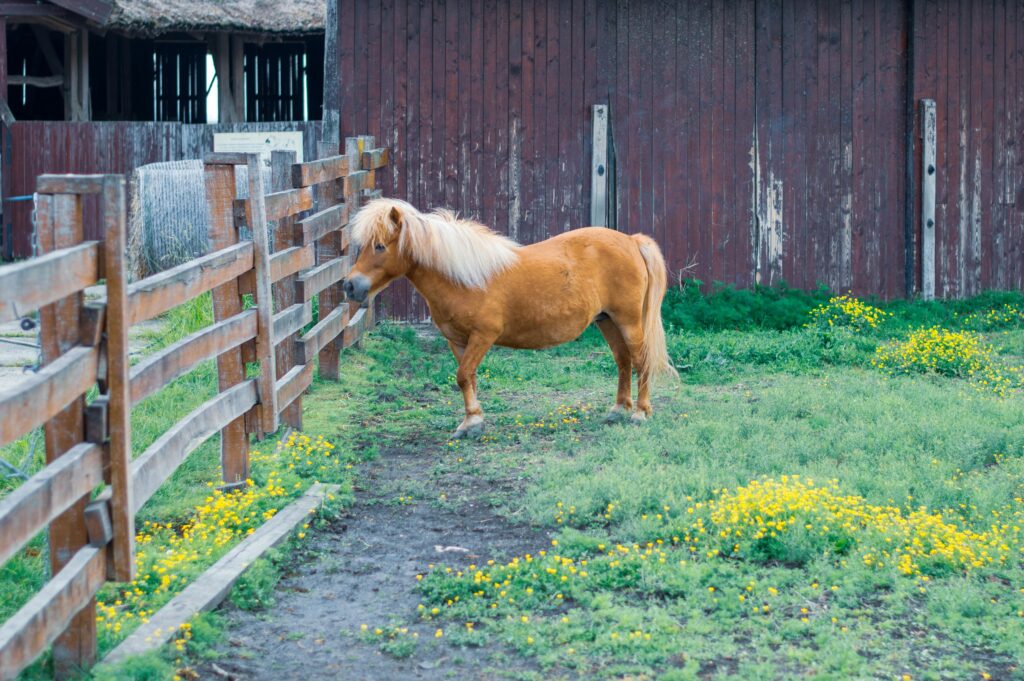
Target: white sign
[261, 142]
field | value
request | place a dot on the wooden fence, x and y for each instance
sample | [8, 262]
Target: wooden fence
[88, 445]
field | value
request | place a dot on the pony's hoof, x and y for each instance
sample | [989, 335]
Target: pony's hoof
[471, 432]
[616, 414]
[638, 417]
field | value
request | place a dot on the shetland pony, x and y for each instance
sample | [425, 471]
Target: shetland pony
[484, 289]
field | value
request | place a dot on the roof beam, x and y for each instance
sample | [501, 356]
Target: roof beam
[94, 10]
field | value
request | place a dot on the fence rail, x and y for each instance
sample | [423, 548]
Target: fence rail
[89, 445]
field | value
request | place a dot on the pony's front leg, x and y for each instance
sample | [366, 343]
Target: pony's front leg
[473, 425]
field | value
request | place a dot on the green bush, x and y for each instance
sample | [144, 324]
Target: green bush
[721, 307]
[724, 307]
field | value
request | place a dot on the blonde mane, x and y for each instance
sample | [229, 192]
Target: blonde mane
[465, 251]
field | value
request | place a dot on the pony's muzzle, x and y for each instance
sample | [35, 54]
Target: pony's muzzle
[357, 288]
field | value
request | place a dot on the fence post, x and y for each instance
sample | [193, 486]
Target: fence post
[264, 302]
[118, 382]
[328, 248]
[284, 290]
[355, 183]
[59, 225]
[227, 302]
[928, 199]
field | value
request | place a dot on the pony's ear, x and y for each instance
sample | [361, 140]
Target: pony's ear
[396, 216]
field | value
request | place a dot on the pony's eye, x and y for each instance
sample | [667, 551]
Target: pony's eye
[380, 248]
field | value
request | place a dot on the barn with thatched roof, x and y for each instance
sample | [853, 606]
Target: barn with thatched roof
[113, 85]
[158, 60]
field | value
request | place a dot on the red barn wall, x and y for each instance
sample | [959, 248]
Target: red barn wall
[757, 141]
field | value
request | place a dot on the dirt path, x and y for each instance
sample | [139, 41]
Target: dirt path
[362, 570]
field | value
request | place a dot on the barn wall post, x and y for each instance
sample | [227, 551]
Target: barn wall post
[330, 136]
[222, 64]
[928, 171]
[599, 168]
[909, 233]
[237, 68]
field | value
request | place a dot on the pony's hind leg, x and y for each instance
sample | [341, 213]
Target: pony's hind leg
[633, 336]
[623, 396]
[469, 359]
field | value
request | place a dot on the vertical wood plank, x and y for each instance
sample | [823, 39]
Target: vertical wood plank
[745, 133]
[328, 248]
[573, 116]
[59, 225]
[452, 103]
[488, 164]
[599, 167]
[501, 112]
[284, 290]
[527, 133]
[118, 383]
[264, 300]
[517, 87]
[3, 60]
[220, 197]
[437, 127]
[330, 132]
[551, 160]
[471, 103]
[928, 171]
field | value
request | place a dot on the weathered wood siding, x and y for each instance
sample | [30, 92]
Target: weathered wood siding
[32, 148]
[969, 58]
[757, 141]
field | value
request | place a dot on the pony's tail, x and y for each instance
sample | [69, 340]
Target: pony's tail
[654, 353]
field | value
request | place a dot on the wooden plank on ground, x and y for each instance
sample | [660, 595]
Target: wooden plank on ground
[320, 224]
[210, 588]
[291, 260]
[315, 280]
[154, 295]
[33, 401]
[325, 331]
[39, 622]
[160, 368]
[31, 284]
[321, 170]
[47, 494]
[163, 457]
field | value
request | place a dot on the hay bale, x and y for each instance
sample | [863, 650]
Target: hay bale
[167, 220]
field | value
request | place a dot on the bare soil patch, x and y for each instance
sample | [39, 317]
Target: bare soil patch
[362, 570]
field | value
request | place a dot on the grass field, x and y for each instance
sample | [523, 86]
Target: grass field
[792, 509]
